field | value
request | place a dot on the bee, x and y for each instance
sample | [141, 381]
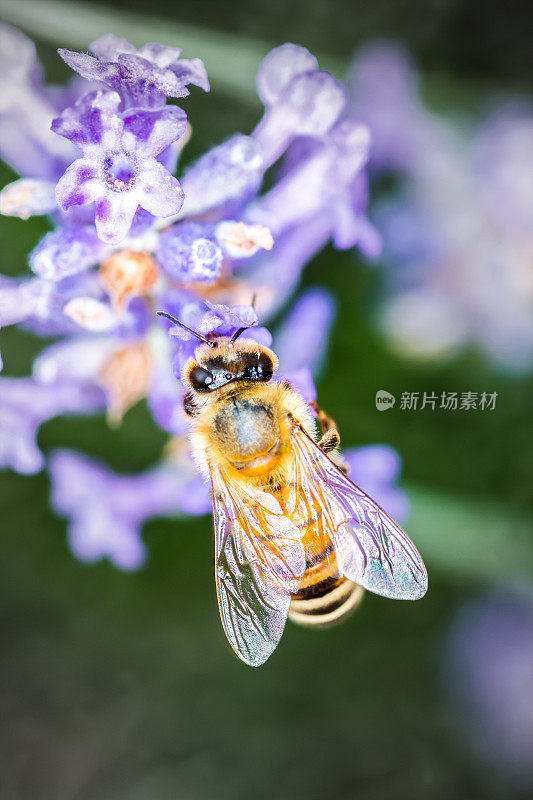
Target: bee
[294, 537]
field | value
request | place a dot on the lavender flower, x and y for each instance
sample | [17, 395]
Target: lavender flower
[489, 678]
[468, 273]
[225, 177]
[143, 78]
[27, 197]
[300, 100]
[23, 299]
[458, 241]
[27, 109]
[165, 394]
[300, 342]
[125, 242]
[376, 468]
[189, 252]
[106, 511]
[383, 94]
[118, 171]
[39, 305]
[275, 275]
[279, 68]
[210, 318]
[317, 181]
[66, 251]
[25, 404]
[502, 159]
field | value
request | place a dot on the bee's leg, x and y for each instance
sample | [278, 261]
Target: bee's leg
[330, 437]
[189, 406]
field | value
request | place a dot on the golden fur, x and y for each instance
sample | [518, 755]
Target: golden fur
[242, 430]
[211, 448]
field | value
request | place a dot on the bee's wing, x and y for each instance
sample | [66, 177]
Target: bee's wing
[371, 548]
[258, 560]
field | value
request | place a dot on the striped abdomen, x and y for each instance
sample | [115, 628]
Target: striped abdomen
[324, 596]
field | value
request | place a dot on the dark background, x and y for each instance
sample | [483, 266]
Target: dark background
[120, 685]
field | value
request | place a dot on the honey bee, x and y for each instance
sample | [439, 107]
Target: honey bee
[294, 537]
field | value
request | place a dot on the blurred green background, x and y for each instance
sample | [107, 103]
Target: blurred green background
[121, 685]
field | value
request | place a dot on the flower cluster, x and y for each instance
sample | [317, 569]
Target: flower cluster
[458, 233]
[488, 677]
[129, 239]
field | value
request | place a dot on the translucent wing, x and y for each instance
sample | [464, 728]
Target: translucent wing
[259, 559]
[371, 549]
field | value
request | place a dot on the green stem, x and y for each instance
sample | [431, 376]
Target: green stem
[231, 60]
[470, 538]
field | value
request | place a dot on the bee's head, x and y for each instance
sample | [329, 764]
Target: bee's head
[221, 360]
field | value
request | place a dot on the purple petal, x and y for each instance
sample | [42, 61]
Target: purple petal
[379, 462]
[107, 511]
[384, 96]
[114, 214]
[502, 157]
[276, 273]
[231, 317]
[229, 172]
[90, 539]
[73, 360]
[25, 405]
[88, 67]
[315, 101]
[165, 402]
[20, 299]
[154, 130]
[39, 304]
[318, 181]
[302, 380]
[142, 77]
[260, 335]
[143, 221]
[79, 185]
[279, 68]
[18, 57]
[303, 337]
[488, 672]
[28, 197]
[26, 142]
[188, 252]
[159, 192]
[108, 47]
[191, 70]
[165, 397]
[67, 251]
[159, 54]
[94, 115]
[309, 106]
[18, 445]
[375, 469]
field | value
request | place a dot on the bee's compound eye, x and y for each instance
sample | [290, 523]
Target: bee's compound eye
[200, 379]
[265, 367]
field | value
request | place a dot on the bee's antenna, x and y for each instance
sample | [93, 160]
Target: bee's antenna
[238, 333]
[182, 325]
[241, 330]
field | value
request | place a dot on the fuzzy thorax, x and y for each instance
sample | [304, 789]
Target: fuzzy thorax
[245, 429]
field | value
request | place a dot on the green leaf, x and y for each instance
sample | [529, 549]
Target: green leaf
[470, 538]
